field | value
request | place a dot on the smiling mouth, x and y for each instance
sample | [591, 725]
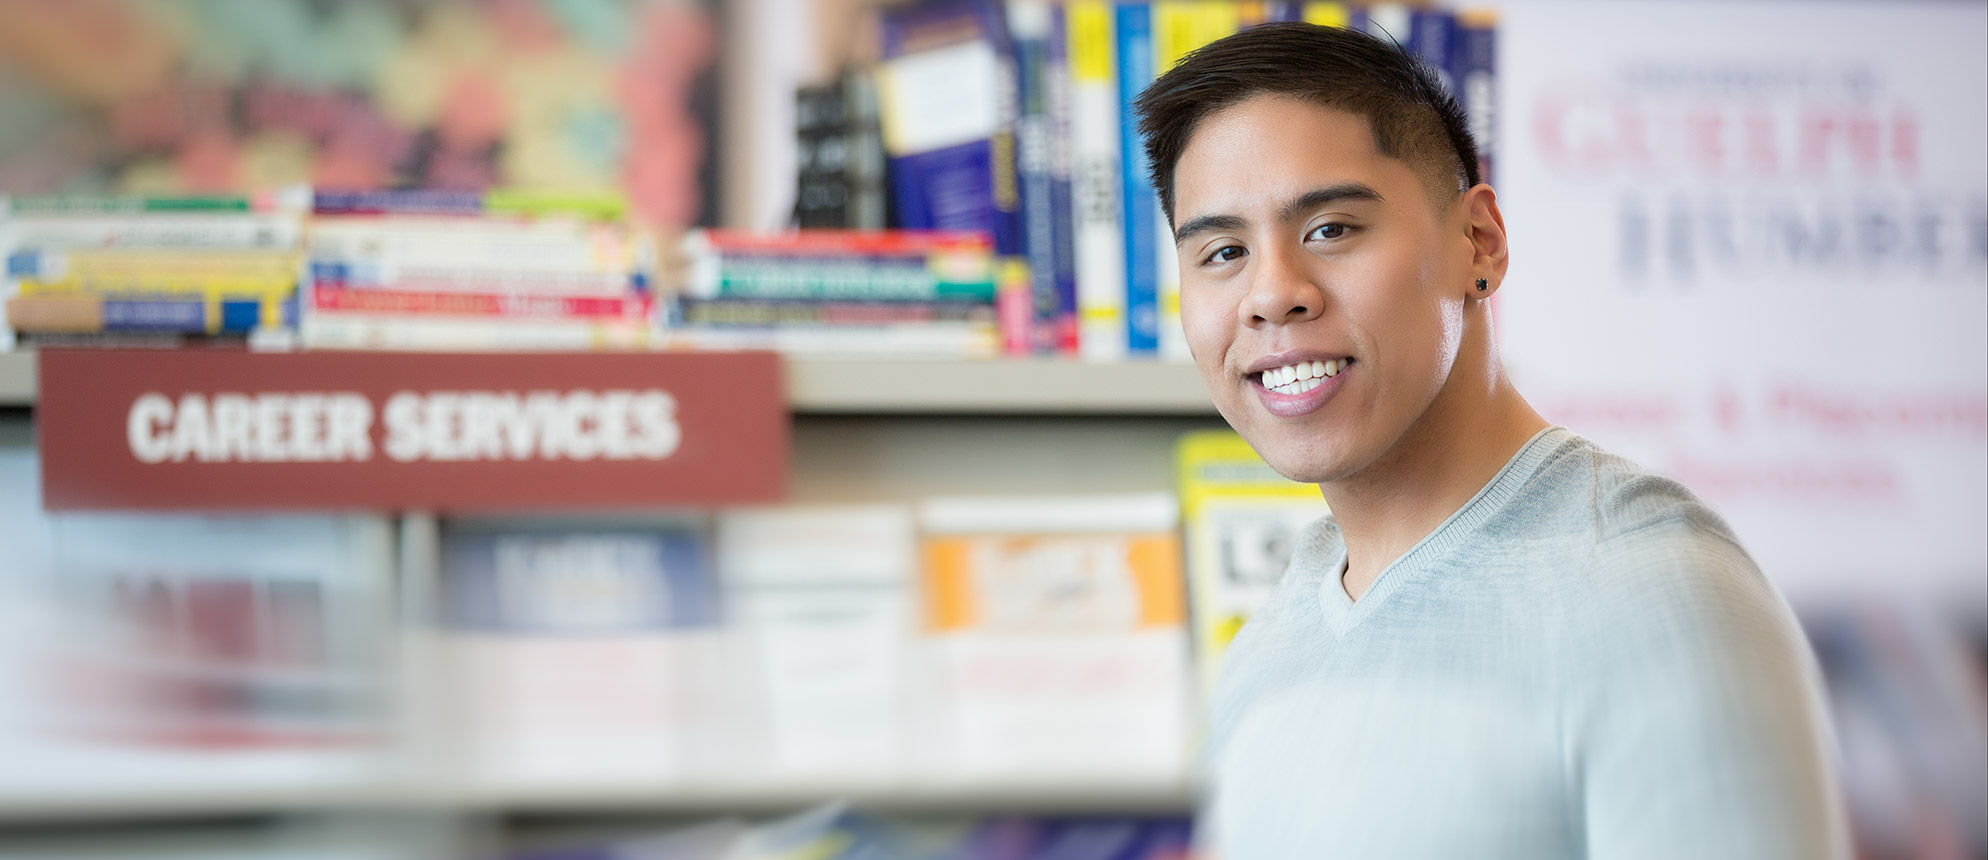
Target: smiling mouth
[1303, 376]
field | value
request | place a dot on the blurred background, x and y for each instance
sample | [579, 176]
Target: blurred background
[1750, 252]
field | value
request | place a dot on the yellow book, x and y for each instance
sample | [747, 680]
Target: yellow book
[1242, 520]
[164, 285]
[1330, 14]
[1180, 26]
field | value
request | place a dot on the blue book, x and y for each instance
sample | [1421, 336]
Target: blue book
[578, 582]
[947, 100]
[1475, 65]
[1028, 26]
[1141, 200]
[1062, 159]
[1431, 35]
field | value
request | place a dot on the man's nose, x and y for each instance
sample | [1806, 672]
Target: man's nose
[1281, 290]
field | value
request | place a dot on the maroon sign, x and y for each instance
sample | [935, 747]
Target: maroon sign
[148, 429]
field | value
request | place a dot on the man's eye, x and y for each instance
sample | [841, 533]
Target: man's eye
[1226, 254]
[1328, 231]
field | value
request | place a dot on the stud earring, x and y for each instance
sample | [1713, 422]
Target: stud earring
[1483, 284]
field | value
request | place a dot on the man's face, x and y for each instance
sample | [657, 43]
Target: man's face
[1303, 249]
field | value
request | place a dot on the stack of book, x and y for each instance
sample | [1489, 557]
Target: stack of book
[838, 292]
[152, 271]
[1014, 119]
[470, 270]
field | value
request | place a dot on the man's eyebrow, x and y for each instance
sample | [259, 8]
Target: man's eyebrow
[1330, 194]
[1208, 224]
[1291, 211]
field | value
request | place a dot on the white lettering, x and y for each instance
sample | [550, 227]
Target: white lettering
[270, 410]
[403, 415]
[229, 432]
[349, 435]
[439, 430]
[655, 414]
[614, 425]
[141, 431]
[306, 429]
[190, 436]
[583, 424]
[480, 437]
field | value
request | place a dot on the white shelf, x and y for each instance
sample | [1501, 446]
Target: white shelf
[17, 379]
[1044, 795]
[919, 387]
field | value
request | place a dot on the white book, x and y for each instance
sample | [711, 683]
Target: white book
[820, 614]
[339, 330]
[1096, 186]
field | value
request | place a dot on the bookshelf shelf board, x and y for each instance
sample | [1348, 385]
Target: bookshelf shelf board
[917, 387]
[17, 379]
[1159, 796]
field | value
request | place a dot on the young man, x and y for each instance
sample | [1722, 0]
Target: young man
[1505, 643]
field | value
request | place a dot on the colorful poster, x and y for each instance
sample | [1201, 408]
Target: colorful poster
[227, 95]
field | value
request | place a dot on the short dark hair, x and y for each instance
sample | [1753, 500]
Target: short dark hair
[1412, 117]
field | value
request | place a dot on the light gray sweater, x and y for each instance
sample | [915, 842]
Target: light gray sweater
[1581, 662]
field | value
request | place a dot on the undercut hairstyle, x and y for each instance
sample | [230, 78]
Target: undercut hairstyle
[1413, 119]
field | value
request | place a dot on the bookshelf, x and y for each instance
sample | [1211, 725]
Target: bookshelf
[917, 387]
[883, 430]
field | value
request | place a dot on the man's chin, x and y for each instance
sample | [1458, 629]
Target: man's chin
[1310, 461]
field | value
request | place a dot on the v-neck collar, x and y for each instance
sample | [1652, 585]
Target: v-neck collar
[1343, 613]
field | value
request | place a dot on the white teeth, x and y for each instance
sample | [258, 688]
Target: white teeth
[1302, 376]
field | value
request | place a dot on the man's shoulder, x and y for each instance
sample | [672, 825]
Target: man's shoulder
[1620, 504]
[1651, 542]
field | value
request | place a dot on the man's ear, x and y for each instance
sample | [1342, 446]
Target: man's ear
[1484, 226]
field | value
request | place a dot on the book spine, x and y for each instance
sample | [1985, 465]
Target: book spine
[52, 264]
[407, 202]
[1028, 26]
[765, 312]
[941, 275]
[1328, 14]
[869, 197]
[364, 275]
[386, 331]
[129, 204]
[1431, 39]
[1141, 206]
[1056, 81]
[1179, 27]
[1096, 197]
[248, 230]
[163, 285]
[928, 340]
[475, 244]
[821, 148]
[1476, 62]
[510, 304]
[879, 242]
[1389, 21]
[86, 315]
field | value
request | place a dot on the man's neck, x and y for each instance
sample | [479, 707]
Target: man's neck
[1477, 424]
